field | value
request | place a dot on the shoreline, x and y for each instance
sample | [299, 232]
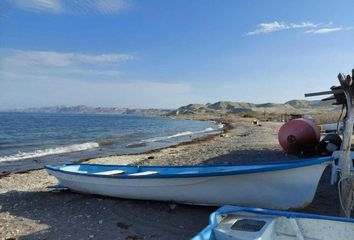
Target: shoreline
[239, 131]
[227, 127]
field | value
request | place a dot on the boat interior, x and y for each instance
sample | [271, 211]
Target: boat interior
[245, 226]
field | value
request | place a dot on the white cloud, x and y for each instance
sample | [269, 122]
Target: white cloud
[303, 25]
[19, 65]
[103, 58]
[269, 27]
[324, 30]
[275, 26]
[280, 26]
[58, 59]
[53, 6]
[104, 7]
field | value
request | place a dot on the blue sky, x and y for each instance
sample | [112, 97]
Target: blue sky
[170, 53]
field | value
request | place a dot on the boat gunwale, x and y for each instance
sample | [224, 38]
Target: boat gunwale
[285, 165]
[228, 209]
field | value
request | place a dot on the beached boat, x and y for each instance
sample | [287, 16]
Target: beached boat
[236, 223]
[279, 185]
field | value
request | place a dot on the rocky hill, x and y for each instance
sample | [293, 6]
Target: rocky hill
[311, 104]
[223, 107]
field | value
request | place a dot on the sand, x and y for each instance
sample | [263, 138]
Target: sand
[31, 210]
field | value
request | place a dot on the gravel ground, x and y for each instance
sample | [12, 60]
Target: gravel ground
[30, 210]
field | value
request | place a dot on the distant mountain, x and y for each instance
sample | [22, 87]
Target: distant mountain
[299, 103]
[311, 104]
[95, 110]
[231, 107]
[221, 107]
[290, 107]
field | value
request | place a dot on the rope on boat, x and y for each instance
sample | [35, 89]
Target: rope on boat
[297, 230]
[348, 207]
[340, 117]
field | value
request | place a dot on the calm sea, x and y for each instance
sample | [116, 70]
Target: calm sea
[26, 136]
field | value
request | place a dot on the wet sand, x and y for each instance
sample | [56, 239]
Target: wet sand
[31, 210]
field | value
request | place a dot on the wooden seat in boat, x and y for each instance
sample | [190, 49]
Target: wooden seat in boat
[144, 173]
[109, 173]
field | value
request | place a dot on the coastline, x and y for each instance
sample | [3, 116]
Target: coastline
[227, 127]
[31, 210]
[240, 142]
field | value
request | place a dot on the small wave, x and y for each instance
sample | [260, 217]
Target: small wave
[106, 142]
[120, 139]
[206, 130]
[50, 151]
[168, 137]
[181, 134]
[136, 145]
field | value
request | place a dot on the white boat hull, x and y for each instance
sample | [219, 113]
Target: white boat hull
[279, 189]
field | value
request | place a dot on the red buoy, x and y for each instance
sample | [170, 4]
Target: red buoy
[299, 135]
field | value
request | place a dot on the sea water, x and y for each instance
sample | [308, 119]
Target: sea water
[68, 137]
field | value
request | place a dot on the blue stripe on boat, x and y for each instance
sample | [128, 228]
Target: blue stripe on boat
[185, 171]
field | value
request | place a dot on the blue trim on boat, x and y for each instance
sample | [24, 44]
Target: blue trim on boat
[194, 171]
[231, 209]
[207, 232]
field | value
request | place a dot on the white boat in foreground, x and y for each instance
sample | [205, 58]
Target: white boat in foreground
[279, 185]
[240, 223]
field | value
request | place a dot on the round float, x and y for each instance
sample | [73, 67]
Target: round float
[299, 135]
